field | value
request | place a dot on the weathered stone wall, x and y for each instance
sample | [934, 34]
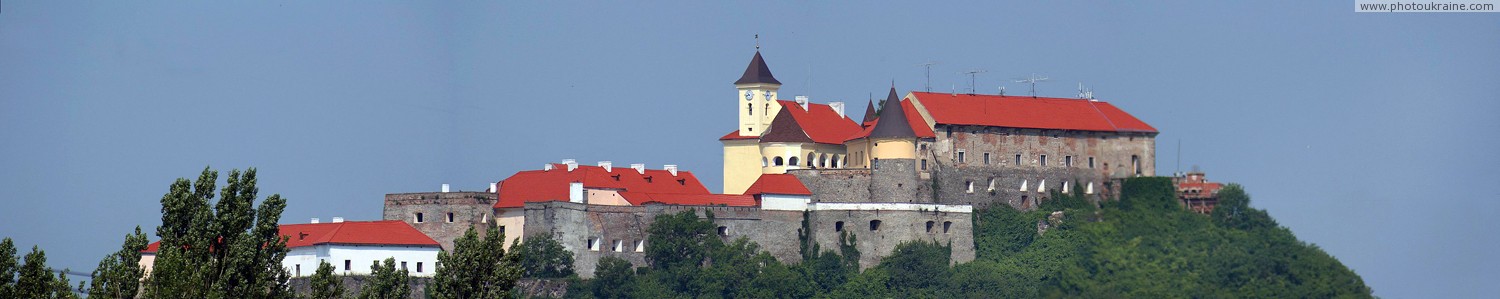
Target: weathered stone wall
[1113, 154]
[836, 185]
[895, 227]
[469, 209]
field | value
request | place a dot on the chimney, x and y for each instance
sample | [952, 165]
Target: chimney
[641, 168]
[547, 167]
[607, 165]
[802, 101]
[315, 220]
[670, 168]
[492, 188]
[838, 107]
[338, 219]
[572, 164]
[575, 192]
[445, 188]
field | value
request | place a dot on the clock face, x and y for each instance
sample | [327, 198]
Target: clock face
[748, 95]
[767, 94]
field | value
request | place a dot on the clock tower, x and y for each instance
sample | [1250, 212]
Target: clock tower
[756, 97]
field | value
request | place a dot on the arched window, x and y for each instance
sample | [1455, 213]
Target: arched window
[874, 225]
[763, 162]
[823, 160]
[749, 109]
[929, 226]
[777, 161]
[836, 162]
[1135, 162]
[792, 161]
[811, 157]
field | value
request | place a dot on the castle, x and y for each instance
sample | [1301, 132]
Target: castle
[912, 170]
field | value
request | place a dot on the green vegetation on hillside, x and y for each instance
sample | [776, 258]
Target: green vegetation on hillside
[1142, 246]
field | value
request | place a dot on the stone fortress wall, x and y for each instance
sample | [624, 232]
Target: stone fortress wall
[467, 209]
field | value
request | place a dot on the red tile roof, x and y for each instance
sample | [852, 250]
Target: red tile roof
[642, 198]
[385, 232]
[819, 121]
[778, 184]
[1029, 112]
[912, 118]
[552, 185]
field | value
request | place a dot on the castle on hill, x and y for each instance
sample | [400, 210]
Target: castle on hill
[912, 169]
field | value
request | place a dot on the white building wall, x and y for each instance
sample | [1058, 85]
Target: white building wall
[359, 258]
[782, 202]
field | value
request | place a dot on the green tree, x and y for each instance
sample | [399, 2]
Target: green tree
[679, 240]
[543, 257]
[325, 284]
[613, 278]
[386, 282]
[7, 268]
[229, 251]
[477, 268]
[917, 265]
[35, 279]
[119, 274]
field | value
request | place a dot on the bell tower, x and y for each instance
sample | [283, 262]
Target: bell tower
[756, 97]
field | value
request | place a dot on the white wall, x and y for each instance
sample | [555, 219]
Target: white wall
[360, 258]
[782, 202]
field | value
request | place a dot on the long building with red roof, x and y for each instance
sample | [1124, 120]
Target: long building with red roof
[350, 246]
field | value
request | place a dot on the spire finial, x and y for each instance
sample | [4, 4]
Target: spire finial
[757, 42]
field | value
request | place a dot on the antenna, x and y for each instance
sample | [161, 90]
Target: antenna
[1179, 155]
[1002, 90]
[1085, 93]
[928, 67]
[971, 74]
[1032, 80]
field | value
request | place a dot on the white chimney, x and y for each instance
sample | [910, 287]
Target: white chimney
[547, 167]
[315, 220]
[572, 164]
[445, 188]
[492, 188]
[641, 168]
[670, 168]
[575, 192]
[338, 219]
[838, 107]
[607, 165]
[802, 101]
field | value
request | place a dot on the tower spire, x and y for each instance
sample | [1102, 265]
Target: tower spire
[892, 122]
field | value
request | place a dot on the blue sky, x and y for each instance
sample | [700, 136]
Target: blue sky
[1369, 135]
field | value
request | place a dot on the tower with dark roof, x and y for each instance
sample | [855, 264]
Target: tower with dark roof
[755, 97]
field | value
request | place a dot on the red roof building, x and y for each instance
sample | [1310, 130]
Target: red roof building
[1196, 193]
[1028, 112]
[635, 186]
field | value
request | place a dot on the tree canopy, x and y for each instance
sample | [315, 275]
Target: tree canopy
[230, 249]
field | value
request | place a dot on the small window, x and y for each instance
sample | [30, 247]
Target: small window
[417, 218]
[640, 245]
[450, 217]
[593, 244]
[502, 229]
[929, 226]
[1043, 161]
[374, 263]
[969, 186]
[724, 231]
[763, 162]
[1024, 203]
[874, 225]
[924, 164]
[619, 246]
[1135, 162]
[838, 226]
[1068, 161]
[484, 218]
[960, 156]
[403, 266]
[419, 264]
[947, 225]
[299, 270]
[986, 158]
[1018, 159]
[346, 265]
[778, 161]
[1091, 162]
[792, 161]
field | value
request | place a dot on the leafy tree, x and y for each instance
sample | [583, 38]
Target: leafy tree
[325, 284]
[613, 278]
[229, 251]
[386, 282]
[477, 268]
[119, 274]
[35, 279]
[1234, 211]
[7, 268]
[679, 240]
[543, 257]
[916, 265]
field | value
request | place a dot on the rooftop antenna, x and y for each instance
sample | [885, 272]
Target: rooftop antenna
[1032, 80]
[1085, 93]
[1002, 90]
[928, 67]
[1179, 155]
[971, 74]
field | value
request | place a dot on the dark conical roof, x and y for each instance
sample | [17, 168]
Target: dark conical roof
[869, 112]
[757, 72]
[892, 122]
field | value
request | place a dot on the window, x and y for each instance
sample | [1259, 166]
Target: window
[924, 164]
[502, 229]
[950, 132]
[1043, 161]
[777, 161]
[593, 244]
[969, 186]
[763, 162]
[792, 161]
[419, 264]
[724, 231]
[1135, 162]
[1068, 161]
[375, 263]
[346, 265]
[1018, 159]
[960, 156]
[874, 225]
[811, 157]
[450, 217]
[992, 185]
[1024, 203]
[299, 270]
[749, 109]
[986, 158]
[835, 161]
[838, 226]
[417, 218]
[1091, 162]
[640, 245]
[619, 246]
[929, 226]
[484, 218]
[403, 266]
[947, 225]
